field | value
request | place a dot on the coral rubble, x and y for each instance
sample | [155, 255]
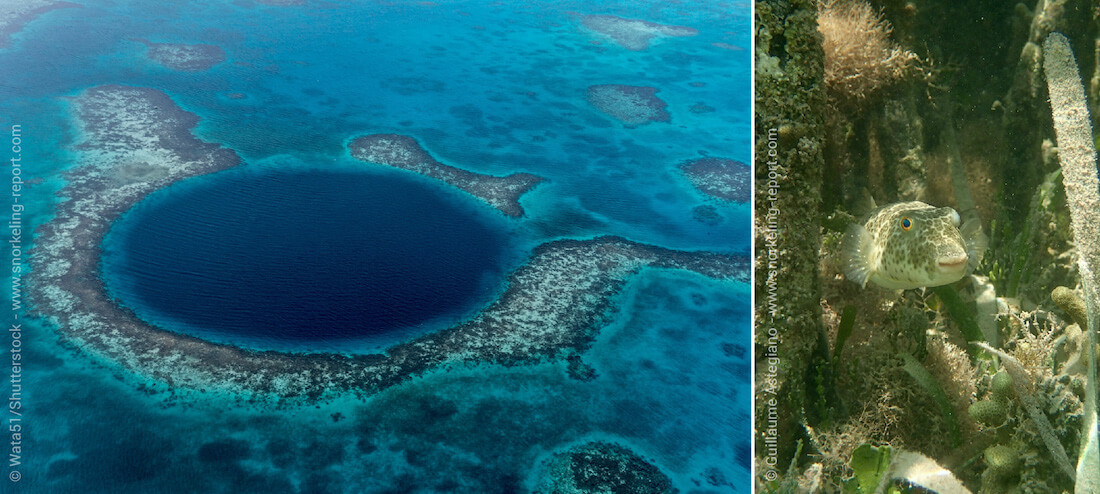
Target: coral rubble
[631, 105]
[136, 140]
[633, 34]
[404, 152]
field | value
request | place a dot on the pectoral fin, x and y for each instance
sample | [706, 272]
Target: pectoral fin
[856, 249]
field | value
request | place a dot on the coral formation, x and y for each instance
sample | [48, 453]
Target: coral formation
[700, 108]
[602, 467]
[706, 214]
[632, 34]
[187, 58]
[720, 177]
[631, 105]
[405, 153]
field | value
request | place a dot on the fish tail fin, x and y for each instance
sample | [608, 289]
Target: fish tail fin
[857, 249]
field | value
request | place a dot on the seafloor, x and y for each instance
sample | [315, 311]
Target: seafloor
[612, 358]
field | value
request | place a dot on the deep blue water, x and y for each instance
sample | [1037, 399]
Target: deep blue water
[305, 258]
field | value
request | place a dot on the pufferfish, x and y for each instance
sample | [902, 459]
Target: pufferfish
[910, 245]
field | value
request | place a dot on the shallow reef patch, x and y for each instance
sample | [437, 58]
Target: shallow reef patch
[633, 34]
[723, 178]
[183, 57]
[404, 152]
[631, 105]
[600, 466]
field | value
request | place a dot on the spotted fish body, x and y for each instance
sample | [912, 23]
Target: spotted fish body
[910, 245]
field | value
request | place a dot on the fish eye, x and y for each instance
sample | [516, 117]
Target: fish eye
[906, 223]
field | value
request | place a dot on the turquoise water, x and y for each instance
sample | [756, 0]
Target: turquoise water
[490, 88]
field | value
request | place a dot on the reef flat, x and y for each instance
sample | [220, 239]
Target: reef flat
[404, 152]
[15, 15]
[633, 34]
[720, 177]
[135, 141]
[631, 105]
[187, 58]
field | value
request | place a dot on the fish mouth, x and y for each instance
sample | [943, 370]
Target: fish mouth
[952, 264]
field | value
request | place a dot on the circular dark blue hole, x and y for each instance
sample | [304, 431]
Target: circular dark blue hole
[296, 259]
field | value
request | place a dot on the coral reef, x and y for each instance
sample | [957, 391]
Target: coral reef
[700, 108]
[706, 214]
[187, 58]
[405, 153]
[136, 140]
[632, 34]
[602, 467]
[14, 15]
[631, 105]
[720, 177]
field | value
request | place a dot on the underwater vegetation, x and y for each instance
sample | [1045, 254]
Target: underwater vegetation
[982, 384]
[860, 58]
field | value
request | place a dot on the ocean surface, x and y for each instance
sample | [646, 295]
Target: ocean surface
[490, 87]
